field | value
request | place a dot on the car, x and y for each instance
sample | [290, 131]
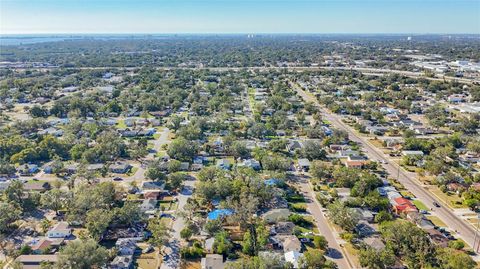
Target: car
[117, 179]
[436, 204]
[424, 211]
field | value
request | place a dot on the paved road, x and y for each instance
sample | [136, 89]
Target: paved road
[407, 179]
[172, 261]
[335, 252]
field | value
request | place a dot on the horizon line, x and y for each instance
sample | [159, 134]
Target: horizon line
[237, 33]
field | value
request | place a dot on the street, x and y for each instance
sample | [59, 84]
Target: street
[464, 230]
[335, 252]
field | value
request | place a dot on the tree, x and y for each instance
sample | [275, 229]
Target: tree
[408, 241]
[154, 172]
[222, 244]
[160, 232]
[320, 170]
[186, 233]
[312, 150]
[127, 215]
[176, 180]
[452, 259]
[343, 216]
[9, 213]
[97, 222]
[53, 199]
[82, 254]
[374, 259]
[182, 149]
[312, 259]
[320, 242]
[239, 149]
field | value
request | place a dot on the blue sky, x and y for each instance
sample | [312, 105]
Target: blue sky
[235, 16]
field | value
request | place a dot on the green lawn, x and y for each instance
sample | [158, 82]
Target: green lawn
[121, 124]
[420, 205]
[438, 222]
[132, 171]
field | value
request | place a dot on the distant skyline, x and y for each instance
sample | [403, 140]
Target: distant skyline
[234, 16]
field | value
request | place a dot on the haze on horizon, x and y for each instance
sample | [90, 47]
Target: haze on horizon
[234, 16]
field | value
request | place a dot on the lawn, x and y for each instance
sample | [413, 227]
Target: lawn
[149, 260]
[438, 222]
[132, 171]
[420, 205]
[121, 124]
[453, 200]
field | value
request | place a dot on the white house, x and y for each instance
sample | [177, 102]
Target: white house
[60, 230]
[293, 257]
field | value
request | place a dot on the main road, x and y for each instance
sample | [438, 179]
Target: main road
[464, 230]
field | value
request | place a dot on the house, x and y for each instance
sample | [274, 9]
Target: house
[437, 237]
[294, 145]
[291, 243]
[35, 261]
[122, 262]
[356, 164]
[152, 185]
[120, 168]
[155, 195]
[36, 186]
[365, 229]
[184, 166]
[45, 244]
[148, 205]
[251, 163]
[276, 215]
[223, 164]
[283, 228]
[374, 242]
[365, 214]
[212, 261]
[60, 230]
[304, 164]
[412, 153]
[126, 246]
[293, 257]
[402, 205]
[28, 169]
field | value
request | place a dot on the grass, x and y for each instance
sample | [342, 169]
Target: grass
[156, 136]
[452, 200]
[420, 205]
[437, 221]
[148, 260]
[132, 171]
[353, 254]
[121, 124]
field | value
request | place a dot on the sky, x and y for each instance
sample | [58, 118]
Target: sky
[235, 16]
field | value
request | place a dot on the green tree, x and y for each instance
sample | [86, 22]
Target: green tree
[9, 213]
[97, 222]
[182, 149]
[312, 259]
[374, 259]
[343, 216]
[82, 254]
[453, 259]
[222, 244]
[160, 232]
